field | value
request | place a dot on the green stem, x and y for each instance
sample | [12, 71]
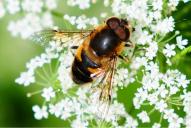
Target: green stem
[181, 54]
[177, 104]
[41, 83]
[160, 121]
[169, 39]
[162, 43]
[42, 77]
[34, 93]
[47, 75]
[50, 68]
[152, 110]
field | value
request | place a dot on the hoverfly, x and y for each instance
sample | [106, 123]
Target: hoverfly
[97, 55]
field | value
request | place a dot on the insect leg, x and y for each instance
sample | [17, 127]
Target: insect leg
[74, 47]
[130, 44]
[126, 59]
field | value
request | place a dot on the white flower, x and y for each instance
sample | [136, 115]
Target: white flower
[56, 109]
[51, 4]
[40, 113]
[121, 79]
[144, 38]
[188, 121]
[153, 98]
[79, 124]
[187, 102]
[65, 78]
[168, 113]
[172, 4]
[162, 91]
[66, 59]
[168, 79]
[164, 26]
[173, 90]
[130, 122]
[161, 105]
[26, 78]
[137, 101]
[156, 125]
[47, 20]
[83, 4]
[32, 5]
[157, 4]
[182, 81]
[156, 15]
[138, 62]
[81, 22]
[175, 121]
[169, 50]
[143, 117]
[93, 21]
[72, 19]
[13, 6]
[181, 43]
[30, 22]
[48, 93]
[151, 50]
[38, 61]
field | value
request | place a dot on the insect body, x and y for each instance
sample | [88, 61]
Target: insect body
[99, 49]
[97, 55]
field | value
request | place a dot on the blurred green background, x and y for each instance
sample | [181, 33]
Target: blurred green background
[16, 108]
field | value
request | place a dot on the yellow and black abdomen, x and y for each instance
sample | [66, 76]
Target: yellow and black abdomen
[80, 72]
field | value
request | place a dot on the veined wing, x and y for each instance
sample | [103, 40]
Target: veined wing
[105, 86]
[61, 36]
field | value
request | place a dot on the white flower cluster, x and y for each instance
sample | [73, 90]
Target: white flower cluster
[64, 69]
[81, 103]
[162, 90]
[52, 52]
[36, 17]
[83, 4]
[85, 109]
[123, 77]
[81, 22]
[30, 24]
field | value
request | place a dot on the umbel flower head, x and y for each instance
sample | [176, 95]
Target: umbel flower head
[156, 91]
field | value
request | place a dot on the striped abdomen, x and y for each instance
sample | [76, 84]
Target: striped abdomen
[80, 71]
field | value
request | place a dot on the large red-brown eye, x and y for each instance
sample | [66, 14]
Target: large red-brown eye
[113, 22]
[122, 33]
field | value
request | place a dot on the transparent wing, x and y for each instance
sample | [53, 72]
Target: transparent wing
[61, 36]
[104, 87]
[107, 82]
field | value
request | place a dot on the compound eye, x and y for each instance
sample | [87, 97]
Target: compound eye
[123, 34]
[113, 22]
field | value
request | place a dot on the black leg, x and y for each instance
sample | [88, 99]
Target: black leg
[74, 47]
[123, 58]
[129, 44]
